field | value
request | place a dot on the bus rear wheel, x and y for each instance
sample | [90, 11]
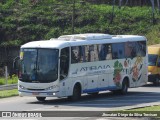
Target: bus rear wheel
[157, 81]
[41, 98]
[94, 93]
[124, 88]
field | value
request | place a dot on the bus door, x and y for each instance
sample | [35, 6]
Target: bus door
[64, 68]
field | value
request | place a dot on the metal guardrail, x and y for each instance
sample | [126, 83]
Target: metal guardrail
[8, 87]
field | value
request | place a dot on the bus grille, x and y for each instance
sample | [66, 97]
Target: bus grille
[36, 89]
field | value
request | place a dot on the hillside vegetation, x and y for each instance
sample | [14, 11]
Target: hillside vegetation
[22, 21]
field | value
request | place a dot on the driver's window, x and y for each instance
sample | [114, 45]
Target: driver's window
[64, 63]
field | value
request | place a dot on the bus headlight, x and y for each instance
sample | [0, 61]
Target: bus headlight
[22, 87]
[50, 88]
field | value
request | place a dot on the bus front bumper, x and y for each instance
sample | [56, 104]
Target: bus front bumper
[38, 93]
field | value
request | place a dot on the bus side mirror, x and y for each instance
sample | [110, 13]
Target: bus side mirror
[16, 65]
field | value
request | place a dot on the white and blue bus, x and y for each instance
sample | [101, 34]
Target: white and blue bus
[72, 65]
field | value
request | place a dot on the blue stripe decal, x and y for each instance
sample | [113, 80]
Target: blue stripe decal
[99, 89]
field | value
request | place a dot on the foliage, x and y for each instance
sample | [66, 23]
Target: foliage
[23, 21]
[12, 80]
[148, 108]
[8, 93]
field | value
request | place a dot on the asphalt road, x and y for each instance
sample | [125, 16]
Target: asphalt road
[105, 101]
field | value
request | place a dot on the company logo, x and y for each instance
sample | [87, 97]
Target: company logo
[92, 68]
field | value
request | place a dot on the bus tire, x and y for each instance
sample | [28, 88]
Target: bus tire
[157, 81]
[76, 93]
[124, 88]
[115, 91]
[94, 93]
[41, 98]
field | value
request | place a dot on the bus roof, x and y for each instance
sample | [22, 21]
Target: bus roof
[82, 39]
[87, 36]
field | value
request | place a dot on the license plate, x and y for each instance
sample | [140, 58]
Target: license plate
[35, 93]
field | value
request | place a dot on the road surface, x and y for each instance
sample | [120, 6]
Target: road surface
[106, 101]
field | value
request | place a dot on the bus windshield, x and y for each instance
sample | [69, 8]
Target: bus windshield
[38, 65]
[152, 59]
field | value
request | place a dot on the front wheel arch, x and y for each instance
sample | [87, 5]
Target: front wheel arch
[76, 93]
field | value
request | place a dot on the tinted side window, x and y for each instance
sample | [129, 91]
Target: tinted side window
[141, 48]
[82, 54]
[130, 49]
[105, 52]
[118, 50]
[87, 58]
[75, 54]
[93, 53]
[78, 54]
[134, 49]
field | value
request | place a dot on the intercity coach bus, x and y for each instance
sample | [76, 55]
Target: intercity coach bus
[72, 65]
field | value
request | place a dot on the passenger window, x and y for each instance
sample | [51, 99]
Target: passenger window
[141, 48]
[75, 54]
[118, 51]
[82, 54]
[93, 53]
[87, 58]
[105, 52]
[128, 49]
[134, 49]
[64, 63]
[78, 54]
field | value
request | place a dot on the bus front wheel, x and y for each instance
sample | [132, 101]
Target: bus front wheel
[76, 93]
[41, 98]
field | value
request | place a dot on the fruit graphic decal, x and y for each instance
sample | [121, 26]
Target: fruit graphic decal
[117, 73]
[136, 70]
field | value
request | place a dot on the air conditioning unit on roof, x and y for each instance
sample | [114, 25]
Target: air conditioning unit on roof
[87, 36]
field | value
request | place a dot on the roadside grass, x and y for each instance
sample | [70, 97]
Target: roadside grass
[149, 108]
[12, 80]
[8, 93]
[153, 109]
